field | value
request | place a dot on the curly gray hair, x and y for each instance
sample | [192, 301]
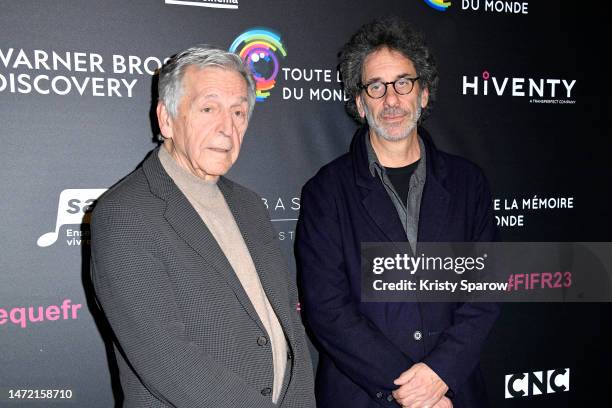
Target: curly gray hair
[396, 35]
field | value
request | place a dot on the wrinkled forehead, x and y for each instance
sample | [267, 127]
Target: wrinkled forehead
[386, 63]
[214, 82]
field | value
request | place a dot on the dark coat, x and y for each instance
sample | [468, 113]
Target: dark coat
[186, 333]
[365, 346]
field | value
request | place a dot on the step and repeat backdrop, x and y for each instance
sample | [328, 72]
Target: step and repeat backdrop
[522, 94]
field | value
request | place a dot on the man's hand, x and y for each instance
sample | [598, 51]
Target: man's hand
[444, 403]
[420, 387]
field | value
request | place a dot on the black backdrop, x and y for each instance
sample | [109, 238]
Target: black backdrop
[71, 132]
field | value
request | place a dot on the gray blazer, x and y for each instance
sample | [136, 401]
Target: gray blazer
[186, 333]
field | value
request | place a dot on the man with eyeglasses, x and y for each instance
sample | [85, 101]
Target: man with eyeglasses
[393, 185]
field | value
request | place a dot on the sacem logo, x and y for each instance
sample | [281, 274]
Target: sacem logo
[260, 49]
[224, 4]
[537, 383]
[439, 5]
[74, 207]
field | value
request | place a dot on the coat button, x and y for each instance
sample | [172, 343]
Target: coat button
[379, 394]
[417, 335]
[390, 398]
[266, 391]
[262, 340]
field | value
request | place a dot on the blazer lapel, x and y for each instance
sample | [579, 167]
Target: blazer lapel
[434, 209]
[187, 223]
[249, 227]
[436, 199]
[380, 208]
[374, 197]
[434, 202]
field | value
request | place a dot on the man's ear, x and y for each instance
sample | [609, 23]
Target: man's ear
[424, 97]
[164, 120]
[359, 103]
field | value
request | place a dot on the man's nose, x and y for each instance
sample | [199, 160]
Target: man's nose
[227, 124]
[391, 97]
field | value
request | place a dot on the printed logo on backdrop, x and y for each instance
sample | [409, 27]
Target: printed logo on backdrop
[439, 5]
[224, 4]
[74, 209]
[282, 210]
[488, 6]
[66, 73]
[547, 91]
[24, 316]
[516, 211]
[260, 49]
[537, 383]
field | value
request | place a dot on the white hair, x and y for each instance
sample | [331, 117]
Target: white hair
[170, 87]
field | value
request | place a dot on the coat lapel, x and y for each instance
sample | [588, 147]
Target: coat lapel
[262, 258]
[374, 197]
[434, 209]
[268, 263]
[186, 222]
[380, 208]
[435, 201]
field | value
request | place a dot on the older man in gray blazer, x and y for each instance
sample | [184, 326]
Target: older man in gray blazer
[186, 265]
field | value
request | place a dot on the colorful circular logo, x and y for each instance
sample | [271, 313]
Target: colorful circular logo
[439, 5]
[260, 49]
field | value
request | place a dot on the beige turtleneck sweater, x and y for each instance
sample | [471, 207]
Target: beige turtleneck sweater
[208, 201]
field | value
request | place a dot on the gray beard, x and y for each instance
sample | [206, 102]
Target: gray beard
[382, 132]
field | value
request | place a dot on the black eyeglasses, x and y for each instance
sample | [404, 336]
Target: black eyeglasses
[378, 89]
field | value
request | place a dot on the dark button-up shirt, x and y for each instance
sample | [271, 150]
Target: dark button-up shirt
[408, 212]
